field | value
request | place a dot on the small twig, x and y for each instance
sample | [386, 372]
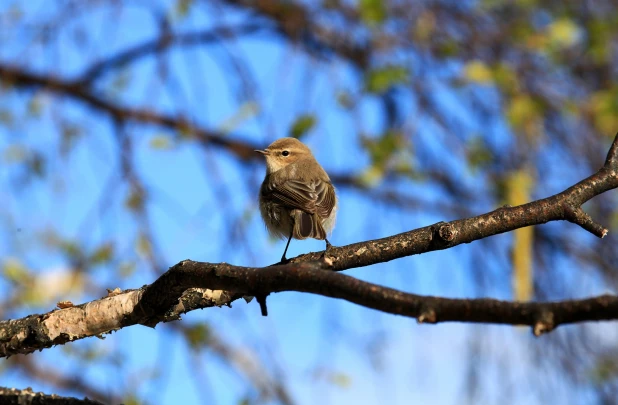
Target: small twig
[579, 217]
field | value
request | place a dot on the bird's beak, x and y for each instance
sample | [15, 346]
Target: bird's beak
[265, 152]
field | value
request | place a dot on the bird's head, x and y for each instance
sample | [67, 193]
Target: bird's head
[283, 152]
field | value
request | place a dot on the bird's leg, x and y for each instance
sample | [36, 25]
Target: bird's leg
[328, 246]
[261, 299]
[283, 259]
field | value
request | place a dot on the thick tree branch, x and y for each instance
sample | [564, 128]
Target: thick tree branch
[189, 285]
[149, 305]
[313, 277]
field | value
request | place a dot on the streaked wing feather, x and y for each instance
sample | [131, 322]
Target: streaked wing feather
[326, 199]
[294, 194]
[315, 197]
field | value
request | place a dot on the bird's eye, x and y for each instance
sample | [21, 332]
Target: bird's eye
[285, 153]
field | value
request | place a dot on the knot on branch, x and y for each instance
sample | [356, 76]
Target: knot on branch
[447, 232]
[543, 324]
[427, 315]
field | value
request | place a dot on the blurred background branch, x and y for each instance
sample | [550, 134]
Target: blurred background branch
[126, 138]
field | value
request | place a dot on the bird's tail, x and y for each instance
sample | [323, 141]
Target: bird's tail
[307, 226]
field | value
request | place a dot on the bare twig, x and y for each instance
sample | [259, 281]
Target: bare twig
[163, 43]
[81, 92]
[55, 377]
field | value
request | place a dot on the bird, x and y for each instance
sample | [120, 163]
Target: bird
[297, 198]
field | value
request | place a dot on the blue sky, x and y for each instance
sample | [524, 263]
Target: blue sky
[329, 351]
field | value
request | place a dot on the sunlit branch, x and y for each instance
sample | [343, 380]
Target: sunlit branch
[189, 285]
[563, 206]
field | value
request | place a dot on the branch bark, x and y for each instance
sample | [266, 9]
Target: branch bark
[12, 396]
[190, 285]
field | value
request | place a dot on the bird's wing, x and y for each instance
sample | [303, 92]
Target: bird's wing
[316, 196]
[326, 199]
[294, 194]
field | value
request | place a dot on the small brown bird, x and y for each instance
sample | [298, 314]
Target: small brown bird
[297, 198]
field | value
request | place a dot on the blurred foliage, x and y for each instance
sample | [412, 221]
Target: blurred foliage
[381, 79]
[373, 12]
[303, 124]
[449, 108]
[198, 335]
[520, 184]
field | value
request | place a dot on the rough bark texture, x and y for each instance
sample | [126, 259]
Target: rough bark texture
[12, 396]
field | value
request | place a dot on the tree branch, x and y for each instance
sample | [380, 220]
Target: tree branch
[294, 21]
[162, 43]
[189, 285]
[149, 305]
[13, 396]
[563, 206]
[79, 90]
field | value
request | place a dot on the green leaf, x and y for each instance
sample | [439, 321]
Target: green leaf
[136, 200]
[477, 152]
[605, 370]
[383, 148]
[341, 380]
[604, 107]
[600, 34]
[388, 154]
[69, 134]
[143, 246]
[563, 33]
[35, 106]
[302, 125]
[382, 79]
[345, 100]
[126, 269]
[6, 117]
[372, 12]
[525, 114]
[103, 254]
[14, 270]
[14, 154]
[131, 399]
[183, 7]
[198, 335]
[371, 176]
[245, 112]
[37, 164]
[160, 142]
[477, 72]
[506, 78]
[520, 185]
[72, 250]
